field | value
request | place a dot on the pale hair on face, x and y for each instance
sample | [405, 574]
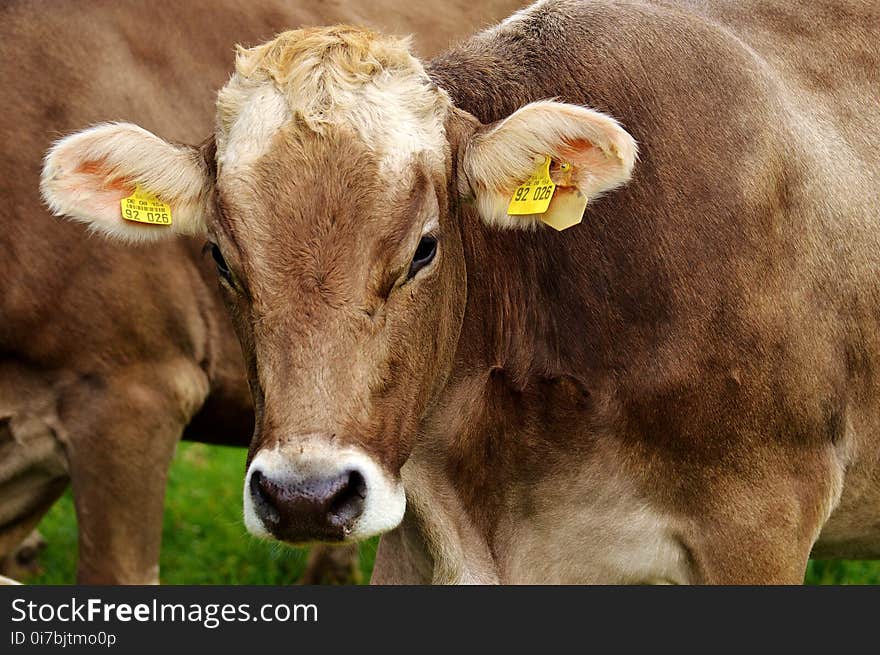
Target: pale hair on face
[339, 75]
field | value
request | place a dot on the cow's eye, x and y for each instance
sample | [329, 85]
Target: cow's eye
[424, 255]
[222, 266]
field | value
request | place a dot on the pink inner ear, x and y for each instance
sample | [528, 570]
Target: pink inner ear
[580, 151]
[94, 167]
[589, 162]
[98, 170]
[92, 190]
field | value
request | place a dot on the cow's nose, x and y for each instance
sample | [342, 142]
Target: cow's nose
[319, 509]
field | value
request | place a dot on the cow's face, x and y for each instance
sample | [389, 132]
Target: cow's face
[330, 198]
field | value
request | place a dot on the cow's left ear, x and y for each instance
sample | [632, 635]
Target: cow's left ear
[596, 154]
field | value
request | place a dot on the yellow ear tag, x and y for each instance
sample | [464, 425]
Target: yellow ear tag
[560, 207]
[566, 209]
[143, 207]
[533, 197]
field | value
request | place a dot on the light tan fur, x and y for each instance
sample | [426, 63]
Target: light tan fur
[88, 316]
[339, 75]
[503, 156]
[87, 174]
[333, 76]
[685, 384]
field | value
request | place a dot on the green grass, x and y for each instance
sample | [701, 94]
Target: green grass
[843, 572]
[204, 540]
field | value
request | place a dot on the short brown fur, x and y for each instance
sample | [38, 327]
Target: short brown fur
[115, 351]
[664, 339]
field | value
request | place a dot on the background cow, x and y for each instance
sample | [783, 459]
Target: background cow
[108, 353]
[683, 388]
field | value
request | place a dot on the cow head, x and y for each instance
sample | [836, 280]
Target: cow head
[330, 196]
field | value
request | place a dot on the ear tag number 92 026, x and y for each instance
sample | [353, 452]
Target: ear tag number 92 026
[143, 207]
[559, 206]
[533, 197]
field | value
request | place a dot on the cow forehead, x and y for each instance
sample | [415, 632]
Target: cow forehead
[331, 77]
[316, 208]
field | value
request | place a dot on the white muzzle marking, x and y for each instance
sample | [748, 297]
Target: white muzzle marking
[384, 503]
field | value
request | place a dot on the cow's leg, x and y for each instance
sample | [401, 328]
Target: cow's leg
[761, 530]
[122, 436]
[731, 553]
[119, 502]
[119, 473]
[333, 565]
[33, 474]
[735, 556]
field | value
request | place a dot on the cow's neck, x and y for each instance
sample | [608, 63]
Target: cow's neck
[516, 389]
[523, 378]
[526, 372]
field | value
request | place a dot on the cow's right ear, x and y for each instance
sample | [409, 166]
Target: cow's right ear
[87, 175]
[498, 159]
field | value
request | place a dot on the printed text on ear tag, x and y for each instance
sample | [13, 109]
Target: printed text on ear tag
[143, 207]
[534, 196]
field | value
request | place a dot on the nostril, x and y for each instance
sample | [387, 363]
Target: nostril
[260, 493]
[348, 502]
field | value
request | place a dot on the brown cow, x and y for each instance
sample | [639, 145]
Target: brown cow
[108, 352]
[683, 388]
